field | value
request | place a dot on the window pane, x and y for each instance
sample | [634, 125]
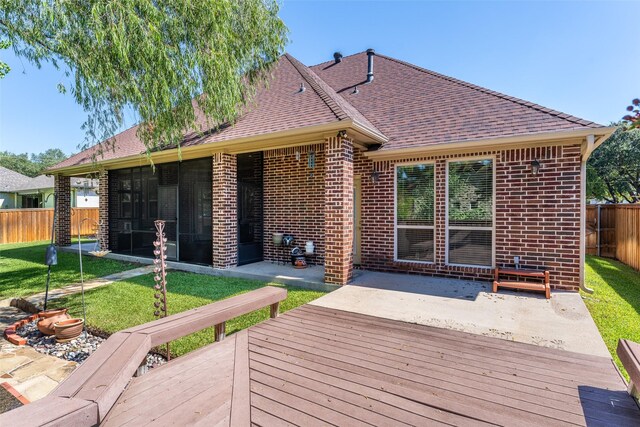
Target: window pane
[415, 244]
[415, 195]
[471, 247]
[471, 193]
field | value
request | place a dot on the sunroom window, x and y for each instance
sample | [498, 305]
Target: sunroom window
[415, 212]
[470, 212]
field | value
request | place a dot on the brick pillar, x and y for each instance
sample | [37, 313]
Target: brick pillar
[224, 222]
[338, 214]
[441, 212]
[103, 209]
[62, 227]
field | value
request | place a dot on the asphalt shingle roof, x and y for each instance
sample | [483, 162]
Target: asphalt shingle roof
[410, 105]
[10, 180]
[413, 106]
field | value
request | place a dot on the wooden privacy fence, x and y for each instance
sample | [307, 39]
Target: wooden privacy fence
[30, 225]
[613, 231]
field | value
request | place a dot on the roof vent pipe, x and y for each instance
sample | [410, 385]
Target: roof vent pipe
[337, 56]
[370, 53]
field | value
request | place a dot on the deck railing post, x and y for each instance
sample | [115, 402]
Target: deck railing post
[634, 391]
[275, 308]
[220, 331]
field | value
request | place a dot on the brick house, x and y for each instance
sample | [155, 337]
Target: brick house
[382, 164]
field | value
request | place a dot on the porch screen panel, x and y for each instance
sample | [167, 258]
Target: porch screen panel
[470, 212]
[415, 198]
[195, 211]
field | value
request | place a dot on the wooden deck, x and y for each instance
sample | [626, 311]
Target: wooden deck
[316, 366]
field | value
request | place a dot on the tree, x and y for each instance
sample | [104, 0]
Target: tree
[4, 68]
[50, 157]
[633, 119]
[613, 170]
[32, 165]
[165, 60]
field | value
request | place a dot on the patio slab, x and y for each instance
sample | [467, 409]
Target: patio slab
[311, 277]
[563, 322]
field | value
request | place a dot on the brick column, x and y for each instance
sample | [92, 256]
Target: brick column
[62, 226]
[338, 214]
[103, 209]
[224, 222]
[441, 212]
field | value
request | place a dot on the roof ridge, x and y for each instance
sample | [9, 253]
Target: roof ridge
[519, 101]
[340, 106]
[343, 57]
[321, 92]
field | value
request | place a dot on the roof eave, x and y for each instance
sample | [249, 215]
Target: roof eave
[515, 141]
[282, 139]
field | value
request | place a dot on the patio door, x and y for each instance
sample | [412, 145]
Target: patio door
[249, 208]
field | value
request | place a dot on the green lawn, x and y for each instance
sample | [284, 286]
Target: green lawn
[22, 269]
[615, 302]
[129, 303]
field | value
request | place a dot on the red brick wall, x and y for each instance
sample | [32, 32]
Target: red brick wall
[294, 198]
[338, 214]
[537, 217]
[62, 227]
[223, 215]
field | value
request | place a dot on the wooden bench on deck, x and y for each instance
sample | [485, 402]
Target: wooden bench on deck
[629, 354]
[525, 273]
[85, 398]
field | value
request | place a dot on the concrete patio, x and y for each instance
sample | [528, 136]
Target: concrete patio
[563, 322]
[311, 277]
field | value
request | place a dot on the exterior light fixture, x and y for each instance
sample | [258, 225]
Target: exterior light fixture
[375, 176]
[535, 167]
[312, 159]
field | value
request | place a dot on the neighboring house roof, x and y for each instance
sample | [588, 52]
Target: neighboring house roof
[14, 182]
[10, 180]
[407, 106]
[40, 182]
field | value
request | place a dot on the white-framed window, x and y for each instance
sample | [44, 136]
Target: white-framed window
[414, 212]
[470, 205]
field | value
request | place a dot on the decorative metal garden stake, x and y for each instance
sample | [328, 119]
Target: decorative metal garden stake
[160, 274]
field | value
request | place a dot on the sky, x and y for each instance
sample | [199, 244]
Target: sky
[581, 58]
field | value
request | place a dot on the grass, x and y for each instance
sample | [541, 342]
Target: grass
[129, 303]
[615, 302]
[22, 269]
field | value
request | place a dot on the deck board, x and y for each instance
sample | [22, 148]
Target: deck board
[319, 366]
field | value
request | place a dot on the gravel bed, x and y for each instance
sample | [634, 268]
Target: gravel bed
[76, 350]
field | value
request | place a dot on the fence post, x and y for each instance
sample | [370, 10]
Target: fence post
[598, 230]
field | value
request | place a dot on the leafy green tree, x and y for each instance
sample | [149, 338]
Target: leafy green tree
[33, 165]
[613, 170]
[4, 67]
[48, 158]
[167, 61]
[20, 163]
[632, 119]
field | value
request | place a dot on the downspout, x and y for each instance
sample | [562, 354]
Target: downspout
[588, 148]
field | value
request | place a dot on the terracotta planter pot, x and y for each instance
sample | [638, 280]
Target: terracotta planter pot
[66, 330]
[46, 325]
[51, 313]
